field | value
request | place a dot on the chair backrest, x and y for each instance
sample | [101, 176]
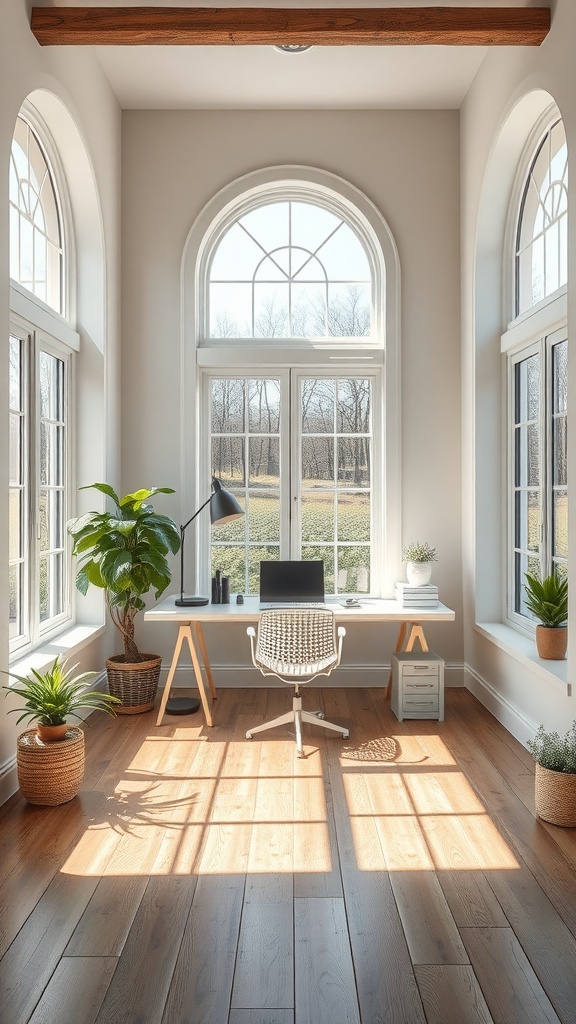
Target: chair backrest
[297, 642]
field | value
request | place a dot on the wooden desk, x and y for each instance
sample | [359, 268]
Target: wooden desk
[411, 622]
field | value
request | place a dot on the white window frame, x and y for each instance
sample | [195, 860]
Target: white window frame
[381, 353]
[40, 340]
[290, 451]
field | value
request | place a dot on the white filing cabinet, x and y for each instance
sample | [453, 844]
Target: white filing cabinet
[417, 686]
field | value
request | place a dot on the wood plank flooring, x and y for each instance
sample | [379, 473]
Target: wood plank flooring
[397, 877]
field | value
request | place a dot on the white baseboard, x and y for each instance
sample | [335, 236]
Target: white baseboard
[239, 676]
[514, 720]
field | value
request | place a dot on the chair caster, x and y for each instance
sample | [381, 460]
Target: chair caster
[345, 735]
[318, 714]
[248, 735]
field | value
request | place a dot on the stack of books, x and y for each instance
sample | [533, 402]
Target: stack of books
[417, 597]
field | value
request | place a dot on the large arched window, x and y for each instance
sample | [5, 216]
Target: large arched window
[40, 380]
[290, 269]
[36, 243]
[536, 347]
[290, 324]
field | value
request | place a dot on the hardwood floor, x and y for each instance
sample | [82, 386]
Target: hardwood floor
[398, 877]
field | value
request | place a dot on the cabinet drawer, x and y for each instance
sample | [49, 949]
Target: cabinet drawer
[428, 668]
[420, 702]
[425, 684]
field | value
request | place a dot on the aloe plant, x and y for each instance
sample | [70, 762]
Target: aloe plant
[52, 696]
[125, 553]
[547, 599]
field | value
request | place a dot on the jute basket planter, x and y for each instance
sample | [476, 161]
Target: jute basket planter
[551, 642]
[556, 797]
[50, 773]
[134, 683]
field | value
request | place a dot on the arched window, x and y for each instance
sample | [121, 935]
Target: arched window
[40, 382]
[36, 243]
[536, 346]
[290, 313]
[542, 235]
[290, 269]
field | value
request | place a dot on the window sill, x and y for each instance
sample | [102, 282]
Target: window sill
[523, 649]
[68, 644]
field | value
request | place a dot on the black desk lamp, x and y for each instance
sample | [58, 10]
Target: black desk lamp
[223, 509]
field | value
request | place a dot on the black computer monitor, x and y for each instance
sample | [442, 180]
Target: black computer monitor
[292, 581]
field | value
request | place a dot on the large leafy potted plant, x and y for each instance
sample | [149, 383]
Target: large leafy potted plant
[547, 599]
[125, 553]
[555, 787]
[50, 758]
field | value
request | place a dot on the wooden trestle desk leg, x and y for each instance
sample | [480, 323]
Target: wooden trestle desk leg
[416, 634]
[186, 633]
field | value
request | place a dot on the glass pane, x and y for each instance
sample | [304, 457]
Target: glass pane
[51, 387]
[528, 389]
[344, 257]
[353, 517]
[264, 461]
[50, 587]
[264, 406]
[230, 310]
[44, 582]
[14, 524]
[560, 363]
[317, 461]
[560, 524]
[263, 518]
[325, 554]
[348, 310]
[318, 406]
[15, 624]
[311, 225]
[309, 311]
[527, 505]
[15, 395]
[317, 517]
[232, 563]
[227, 406]
[51, 454]
[271, 311]
[527, 456]
[353, 461]
[309, 268]
[228, 461]
[51, 520]
[16, 426]
[552, 259]
[256, 555]
[560, 450]
[236, 256]
[353, 408]
[268, 225]
[538, 277]
[274, 267]
[353, 570]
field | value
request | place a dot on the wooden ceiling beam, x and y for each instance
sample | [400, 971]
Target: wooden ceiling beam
[260, 26]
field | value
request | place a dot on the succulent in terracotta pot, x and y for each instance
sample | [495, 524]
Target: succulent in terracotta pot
[547, 599]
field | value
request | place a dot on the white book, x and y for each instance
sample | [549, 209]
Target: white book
[407, 588]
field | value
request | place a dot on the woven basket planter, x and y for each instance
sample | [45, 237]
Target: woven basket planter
[134, 683]
[556, 797]
[50, 773]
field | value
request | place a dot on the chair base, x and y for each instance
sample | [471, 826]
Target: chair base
[297, 715]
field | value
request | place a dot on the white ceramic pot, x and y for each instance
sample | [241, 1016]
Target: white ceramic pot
[418, 573]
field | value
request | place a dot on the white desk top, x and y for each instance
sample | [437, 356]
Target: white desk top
[371, 609]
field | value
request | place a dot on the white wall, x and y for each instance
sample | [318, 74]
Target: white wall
[407, 164]
[510, 90]
[75, 99]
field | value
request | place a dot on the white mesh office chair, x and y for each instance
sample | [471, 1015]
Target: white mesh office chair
[296, 645]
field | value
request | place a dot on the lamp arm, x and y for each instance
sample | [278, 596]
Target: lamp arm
[186, 525]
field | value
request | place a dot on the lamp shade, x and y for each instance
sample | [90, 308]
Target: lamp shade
[223, 505]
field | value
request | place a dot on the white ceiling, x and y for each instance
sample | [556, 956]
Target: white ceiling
[234, 77]
[373, 77]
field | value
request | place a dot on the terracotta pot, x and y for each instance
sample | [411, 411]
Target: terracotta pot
[551, 642]
[51, 733]
[555, 795]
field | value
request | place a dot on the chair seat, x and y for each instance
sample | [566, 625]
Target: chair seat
[295, 671]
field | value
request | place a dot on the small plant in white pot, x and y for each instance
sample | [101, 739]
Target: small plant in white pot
[419, 557]
[555, 786]
[547, 599]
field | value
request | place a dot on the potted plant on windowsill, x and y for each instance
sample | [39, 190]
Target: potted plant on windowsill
[50, 758]
[125, 553]
[547, 599]
[555, 781]
[419, 557]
